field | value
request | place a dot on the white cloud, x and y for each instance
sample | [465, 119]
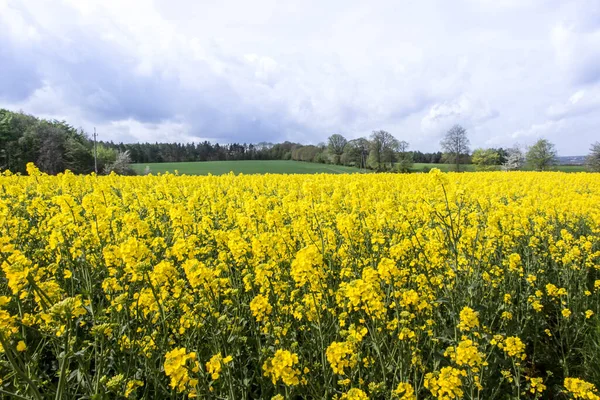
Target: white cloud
[582, 102]
[301, 70]
[463, 110]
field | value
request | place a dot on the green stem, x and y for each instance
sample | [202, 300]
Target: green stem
[63, 367]
[17, 369]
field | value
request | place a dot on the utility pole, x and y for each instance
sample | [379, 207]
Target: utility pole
[95, 152]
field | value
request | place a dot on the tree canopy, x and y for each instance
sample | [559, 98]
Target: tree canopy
[592, 161]
[485, 159]
[542, 155]
[455, 146]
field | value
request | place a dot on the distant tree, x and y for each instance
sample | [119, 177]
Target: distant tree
[356, 152]
[455, 146]
[514, 160]
[335, 145]
[106, 156]
[383, 148]
[78, 155]
[122, 165]
[305, 153]
[485, 159]
[542, 155]
[405, 158]
[503, 154]
[51, 157]
[592, 161]
[7, 135]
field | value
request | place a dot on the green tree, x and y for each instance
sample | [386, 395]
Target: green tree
[455, 146]
[335, 145]
[485, 159]
[106, 156]
[542, 155]
[78, 155]
[6, 137]
[383, 148]
[356, 152]
[592, 161]
[405, 158]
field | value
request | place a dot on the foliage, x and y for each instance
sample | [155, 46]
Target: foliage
[383, 150]
[336, 144]
[433, 286]
[53, 145]
[592, 161]
[106, 156]
[405, 158]
[455, 146]
[356, 153]
[485, 159]
[542, 155]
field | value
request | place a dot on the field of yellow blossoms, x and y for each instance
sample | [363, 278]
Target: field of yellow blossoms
[379, 286]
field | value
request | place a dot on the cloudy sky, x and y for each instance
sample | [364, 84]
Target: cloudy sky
[510, 71]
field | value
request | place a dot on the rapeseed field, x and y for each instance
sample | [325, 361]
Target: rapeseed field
[380, 286]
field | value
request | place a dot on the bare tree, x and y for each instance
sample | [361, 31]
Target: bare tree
[455, 146]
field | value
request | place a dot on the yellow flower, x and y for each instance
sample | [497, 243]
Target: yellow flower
[589, 314]
[354, 394]
[132, 386]
[214, 366]
[469, 319]
[445, 384]
[566, 313]
[465, 354]
[581, 389]
[282, 367]
[404, 391]
[536, 385]
[260, 307]
[341, 355]
[514, 347]
[21, 346]
[176, 367]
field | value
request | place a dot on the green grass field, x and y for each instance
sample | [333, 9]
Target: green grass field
[420, 167]
[288, 167]
[245, 167]
[423, 167]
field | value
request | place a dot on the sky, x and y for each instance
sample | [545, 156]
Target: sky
[509, 71]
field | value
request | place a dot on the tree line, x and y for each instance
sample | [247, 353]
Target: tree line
[55, 146]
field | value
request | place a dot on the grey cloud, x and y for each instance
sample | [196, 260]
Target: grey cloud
[271, 71]
[19, 76]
